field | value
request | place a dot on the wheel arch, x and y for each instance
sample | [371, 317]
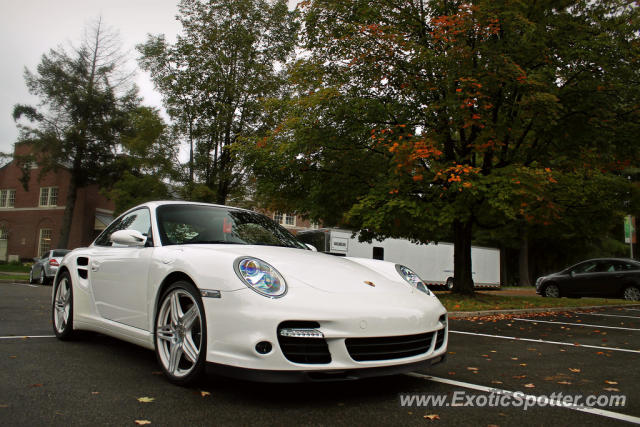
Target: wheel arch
[166, 282]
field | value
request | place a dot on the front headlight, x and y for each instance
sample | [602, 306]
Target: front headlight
[412, 278]
[261, 277]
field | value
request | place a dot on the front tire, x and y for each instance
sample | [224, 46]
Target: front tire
[31, 279]
[181, 333]
[63, 307]
[552, 291]
[631, 293]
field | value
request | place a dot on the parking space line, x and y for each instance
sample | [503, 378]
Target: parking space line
[607, 315]
[626, 350]
[588, 325]
[531, 397]
[20, 337]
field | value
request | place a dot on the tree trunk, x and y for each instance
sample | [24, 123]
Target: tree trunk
[523, 262]
[463, 280]
[63, 242]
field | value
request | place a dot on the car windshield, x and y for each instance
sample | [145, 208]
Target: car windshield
[200, 224]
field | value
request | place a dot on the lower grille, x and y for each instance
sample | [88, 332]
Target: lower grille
[439, 338]
[303, 350]
[385, 348]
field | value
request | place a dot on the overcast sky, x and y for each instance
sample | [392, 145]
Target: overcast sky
[29, 28]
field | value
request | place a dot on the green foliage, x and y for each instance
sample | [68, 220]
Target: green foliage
[213, 79]
[437, 118]
[85, 102]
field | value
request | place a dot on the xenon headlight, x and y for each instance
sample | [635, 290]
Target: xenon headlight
[412, 278]
[261, 277]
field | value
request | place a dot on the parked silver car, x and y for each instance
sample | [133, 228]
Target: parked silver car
[44, 269]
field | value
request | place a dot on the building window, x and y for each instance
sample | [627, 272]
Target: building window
[45, 241]
[48, 196]
[290, 219]
[7, 198]
[284, 219]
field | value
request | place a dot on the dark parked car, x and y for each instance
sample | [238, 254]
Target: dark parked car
[606, 277]
[44, 269]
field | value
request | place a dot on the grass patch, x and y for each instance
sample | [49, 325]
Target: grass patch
[6, 277]
[486, 301]
[18, 268]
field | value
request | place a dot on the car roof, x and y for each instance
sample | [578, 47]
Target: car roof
[157, 203]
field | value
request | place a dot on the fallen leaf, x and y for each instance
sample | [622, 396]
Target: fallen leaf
[12, 357]
[514, 358]
[519, 377]
[204, 393]
[523, 364]
[142, 422]
[611, 382]
[564, 382]
[451, 373]
[432, 417]
[471, 368]
[95, 392]
[146, 399]
[611, 389]
[576, 370]
[452, 352]
[496, 382]
[4, 406]
[530, 385]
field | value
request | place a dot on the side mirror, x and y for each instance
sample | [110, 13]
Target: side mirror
[128, 238]
[313, 248]
[572, 274]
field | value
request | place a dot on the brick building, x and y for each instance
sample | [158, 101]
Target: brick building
[292, 222]
[30, 220]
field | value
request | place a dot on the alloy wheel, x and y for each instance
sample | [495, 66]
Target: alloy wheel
[62, 305]
[552, 291]
[632, 293]
[179, 333]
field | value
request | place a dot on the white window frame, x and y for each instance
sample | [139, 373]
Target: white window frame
[48, 197]
[288, 217]
[44, 242]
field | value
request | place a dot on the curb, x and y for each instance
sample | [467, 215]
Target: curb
[467, 314]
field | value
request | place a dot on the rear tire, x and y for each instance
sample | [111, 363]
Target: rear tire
[449, 284]
[62, 313]
[631, 293]
[181, 333]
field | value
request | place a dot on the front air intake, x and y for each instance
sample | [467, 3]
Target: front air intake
[301, 342]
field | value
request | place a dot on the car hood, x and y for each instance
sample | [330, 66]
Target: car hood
[324, 272]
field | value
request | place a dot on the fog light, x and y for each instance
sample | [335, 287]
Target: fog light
[301, 333]
[264, 347]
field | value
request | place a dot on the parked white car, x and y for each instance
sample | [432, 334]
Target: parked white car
[206, 284]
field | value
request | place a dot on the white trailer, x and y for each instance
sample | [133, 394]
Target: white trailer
[432, 262]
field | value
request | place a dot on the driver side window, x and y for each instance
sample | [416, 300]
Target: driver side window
[139, 220]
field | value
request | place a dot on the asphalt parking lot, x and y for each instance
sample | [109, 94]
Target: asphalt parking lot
[98, 380]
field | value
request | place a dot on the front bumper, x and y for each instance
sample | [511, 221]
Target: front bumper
[241, 319]
[301, 376]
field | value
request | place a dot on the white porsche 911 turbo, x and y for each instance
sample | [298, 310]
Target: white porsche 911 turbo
[229, 288]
